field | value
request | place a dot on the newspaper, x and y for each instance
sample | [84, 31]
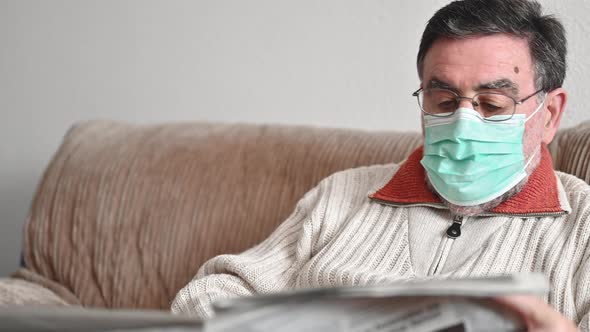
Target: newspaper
[448, 305]
[69, 319]
[421, 306]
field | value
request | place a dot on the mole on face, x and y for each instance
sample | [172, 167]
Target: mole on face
[516, 70]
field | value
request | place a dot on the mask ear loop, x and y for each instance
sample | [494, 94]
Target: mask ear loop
[531, 158]
[537, 110]
[527, 119]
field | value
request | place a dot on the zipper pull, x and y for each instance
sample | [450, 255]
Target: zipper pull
[454, 231]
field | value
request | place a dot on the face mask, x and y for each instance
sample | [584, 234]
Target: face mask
[470, 161]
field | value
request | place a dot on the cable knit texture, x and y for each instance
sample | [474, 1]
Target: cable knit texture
[338, 236]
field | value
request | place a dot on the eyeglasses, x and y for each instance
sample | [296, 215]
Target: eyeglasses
[444, 103]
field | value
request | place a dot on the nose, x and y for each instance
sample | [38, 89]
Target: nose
[467, 103]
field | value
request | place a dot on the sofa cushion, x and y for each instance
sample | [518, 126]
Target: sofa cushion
[22, 292]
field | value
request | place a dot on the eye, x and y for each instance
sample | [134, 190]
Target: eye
[492, 104]
[438, 101]
[445, 101]
[489, 107]
[447, 105]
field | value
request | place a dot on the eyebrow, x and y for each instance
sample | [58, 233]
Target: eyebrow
[436, 83]
[501, 84]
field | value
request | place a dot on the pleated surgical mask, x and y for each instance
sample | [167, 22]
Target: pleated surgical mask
[470, 161]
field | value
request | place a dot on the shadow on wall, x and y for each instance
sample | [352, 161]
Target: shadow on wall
[16, 193]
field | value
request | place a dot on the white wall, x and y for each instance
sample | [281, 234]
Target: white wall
[339, 63]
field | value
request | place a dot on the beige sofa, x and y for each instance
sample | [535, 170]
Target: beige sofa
[125, 215]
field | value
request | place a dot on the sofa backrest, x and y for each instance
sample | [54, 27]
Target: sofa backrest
[125, 215]
[570, 150]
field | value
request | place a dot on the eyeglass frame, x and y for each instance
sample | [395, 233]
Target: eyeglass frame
[473, 102]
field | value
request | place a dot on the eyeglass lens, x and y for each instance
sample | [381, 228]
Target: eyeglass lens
[438, 101]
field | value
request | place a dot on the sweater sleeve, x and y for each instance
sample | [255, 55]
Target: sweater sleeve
[581, 277]
[268, 267]
[582, 296]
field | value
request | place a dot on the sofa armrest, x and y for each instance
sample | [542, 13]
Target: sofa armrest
[21, 292]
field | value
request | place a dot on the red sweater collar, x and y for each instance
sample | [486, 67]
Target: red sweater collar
[539, 195]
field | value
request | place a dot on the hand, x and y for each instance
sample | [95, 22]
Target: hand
[537, 315]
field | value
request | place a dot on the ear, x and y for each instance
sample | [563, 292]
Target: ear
[555, 105]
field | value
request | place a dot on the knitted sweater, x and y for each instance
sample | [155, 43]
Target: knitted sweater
[362, 226]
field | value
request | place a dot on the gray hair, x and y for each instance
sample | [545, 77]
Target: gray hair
[521, 18]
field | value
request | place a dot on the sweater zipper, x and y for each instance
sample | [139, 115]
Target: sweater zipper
[453, 232]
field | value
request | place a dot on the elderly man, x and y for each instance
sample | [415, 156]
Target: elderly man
[479, 198]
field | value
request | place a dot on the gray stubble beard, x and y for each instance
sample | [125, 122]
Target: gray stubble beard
[473, 210]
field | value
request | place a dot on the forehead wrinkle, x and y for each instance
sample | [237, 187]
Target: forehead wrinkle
[500, 84]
